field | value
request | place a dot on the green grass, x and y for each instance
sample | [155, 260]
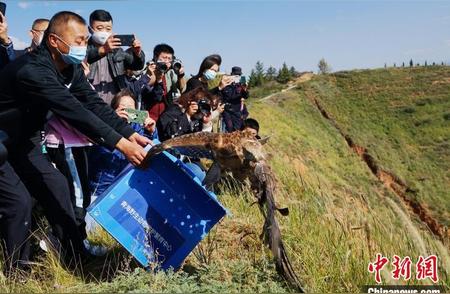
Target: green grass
[340, 213]
[266, 89]
[401, 116]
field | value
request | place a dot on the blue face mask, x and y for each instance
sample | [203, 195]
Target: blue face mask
[76, 54]
[209, 74]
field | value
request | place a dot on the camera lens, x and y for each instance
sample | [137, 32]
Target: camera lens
[176, 65]
[161, 66]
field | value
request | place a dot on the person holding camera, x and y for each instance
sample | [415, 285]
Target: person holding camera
[233, 96]
[185, 115]
[167, 74]
[108, 61]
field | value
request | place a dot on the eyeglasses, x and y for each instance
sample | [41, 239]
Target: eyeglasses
[78, 40]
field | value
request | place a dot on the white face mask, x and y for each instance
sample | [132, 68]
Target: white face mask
[100, 37]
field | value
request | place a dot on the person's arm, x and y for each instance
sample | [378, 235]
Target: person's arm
[245, 92]
[93, 54]
[135, 63]
[181, 83]
[84, 93]
[42, 87]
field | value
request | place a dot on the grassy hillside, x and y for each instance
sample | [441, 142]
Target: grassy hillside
[402, 117]
[342, 214]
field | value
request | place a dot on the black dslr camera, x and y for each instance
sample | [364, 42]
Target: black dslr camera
[161, 66]
[204, 109]
[176, 64]
[204, 106]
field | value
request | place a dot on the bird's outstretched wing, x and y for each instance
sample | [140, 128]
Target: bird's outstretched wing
[198, 145]
[271, 230]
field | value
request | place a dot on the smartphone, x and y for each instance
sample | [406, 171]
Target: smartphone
[126, 40]
[2, 9]
[243, 80]
[136, 116]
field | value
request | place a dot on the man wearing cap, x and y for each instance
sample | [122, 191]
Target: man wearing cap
[233, 96]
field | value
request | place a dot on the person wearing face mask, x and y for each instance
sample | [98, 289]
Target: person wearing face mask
[51, 79]
[108, 61]
[207, 72]
[7, 51]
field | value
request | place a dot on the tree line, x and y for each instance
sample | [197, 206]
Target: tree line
[411, 64]
[259, 75]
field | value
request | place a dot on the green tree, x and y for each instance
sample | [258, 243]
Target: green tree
[271, 73]
[411, 63]
[284, 74]
[293, 72]
[324, 67]
[257, 77]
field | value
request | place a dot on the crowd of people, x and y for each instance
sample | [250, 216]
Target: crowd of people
[85, 107]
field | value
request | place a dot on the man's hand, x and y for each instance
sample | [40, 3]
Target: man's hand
[132, 151]
[4, 39]
[141, 140]
[85, 66]
[137, 47]
[151, 73]
[225, 81]
[181, 72]
[122, 113]
[111, 44]
[149, 125]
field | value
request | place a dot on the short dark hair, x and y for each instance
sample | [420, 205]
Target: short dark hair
[207, 63]
[116, 100]
[162, 48]
[39, 21]
[59, 20]
[100, 15]
[251, 123]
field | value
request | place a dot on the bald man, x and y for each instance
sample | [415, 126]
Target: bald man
[51, 78]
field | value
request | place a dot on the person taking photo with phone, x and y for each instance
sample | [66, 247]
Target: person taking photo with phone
[233, 96]
[108, 61]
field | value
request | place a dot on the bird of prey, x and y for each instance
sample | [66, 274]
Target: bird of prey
[242, 155]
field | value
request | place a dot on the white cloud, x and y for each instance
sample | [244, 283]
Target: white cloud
[18, 44]
[24, 5]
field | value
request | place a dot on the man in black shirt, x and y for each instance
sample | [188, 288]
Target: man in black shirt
[51, 78]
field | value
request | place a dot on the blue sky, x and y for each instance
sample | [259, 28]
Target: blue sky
[348, 34]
